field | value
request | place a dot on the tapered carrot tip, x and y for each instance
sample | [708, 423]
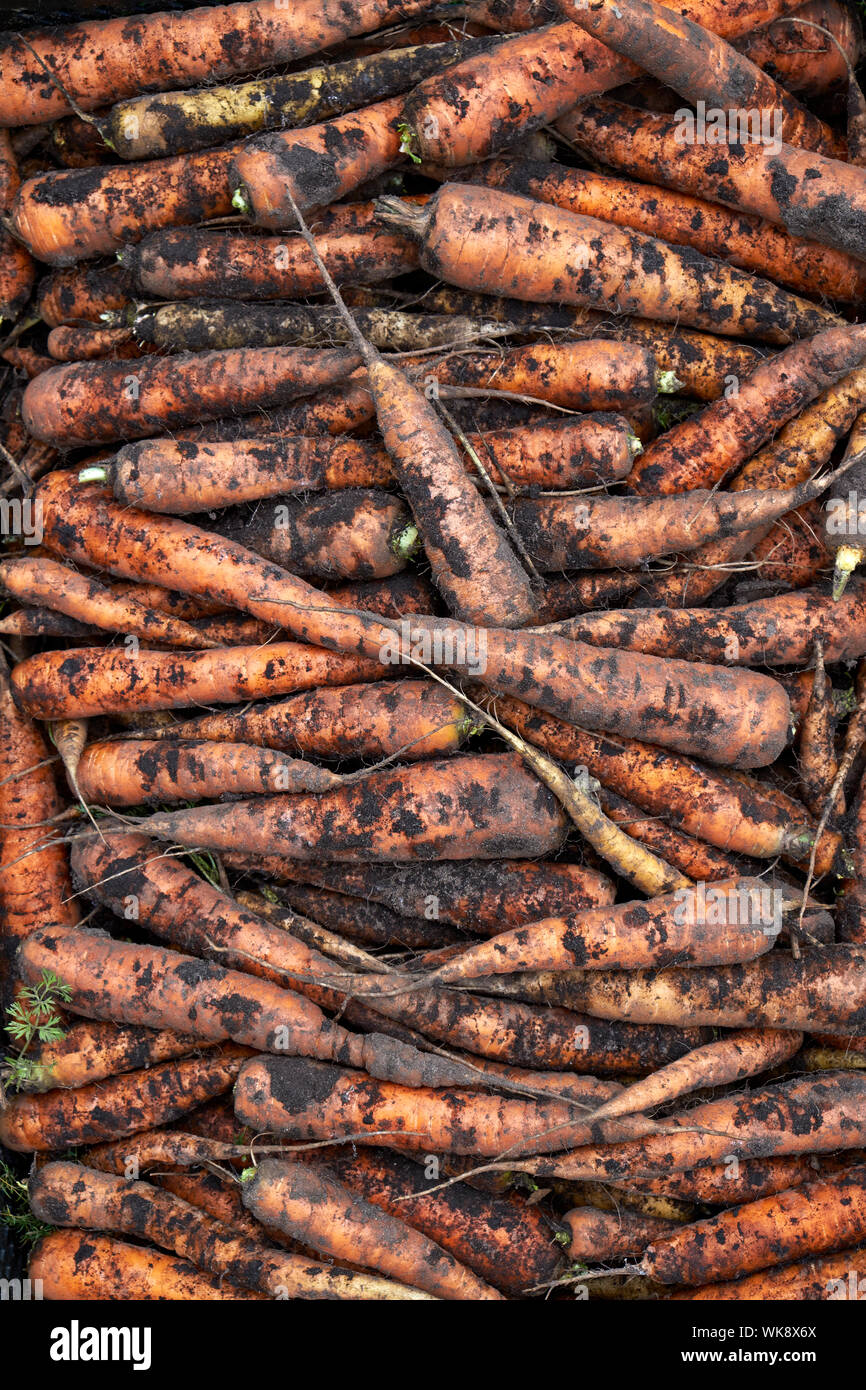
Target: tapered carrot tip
[848, 557]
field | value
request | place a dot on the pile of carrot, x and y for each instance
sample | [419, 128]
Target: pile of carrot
[433, 651]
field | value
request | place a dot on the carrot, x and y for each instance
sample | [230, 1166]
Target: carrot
[69, 1194]
[729, 20]
[34, 865]
[839, 1277]
[165, 989]
[599, 1237]
[477, 896]
[741, 721]
[315, 166]
[173, 123]
[695, 860]
[90, 1052]
[277, 1095]
[567, 256]
[702, 801]
[17, 271]
[144, 773]
[199, 327]
[700, 66]
[817, 762]
[842, 523]
[41, 622]
[366, 923]
[676, 928]
[811, 196]
[350, 534]
[82, 293]
[716, 1064]
[487, 102]
[312, 1206]
[799, 56]
[78, 214]
[702, 450]
[103, 60]
[751, 243]
[797, 452]
[95, 402]
[116, 1105]
[476, 806]
[822, 990]
[811, 1115]
[417, 719]
[504, 1240]
[46, 582]
[192, 262]
[89, 681]
[591, 533]
[777, 631]
[578, 376]
[394, 597]
[219, 1198]
[166, 476]
[812, 1219]
[86, 344]
[79, 1267]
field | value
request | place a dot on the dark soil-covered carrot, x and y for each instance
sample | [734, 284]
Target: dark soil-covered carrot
[504, 1240]
[732, 1058]
[704, 449]
[164, 475]
[807, 1281]
[701, 66]
[79, 1266]
[201, 262]
[116, 1105]
[751, 243]
[417, 719]
[396, 597]
[314, 166]
[143, 772]
[174, 122]
[96, 402]
[365, 922]
[70, 1194]
[489, 239]
[813, 1219]
[482, 897]
[677, 928]
[816, 748]
[820, 991]
[103, 60]
[355, 533]
[778, 631]
[91, 681]
[34, 863]
[808, 194]
[42, 622]
[89, 1052]
[311, 1205]
[565, 533]
[740, 718]
[17, 271]
[474, 806]
[55, 586]
[200, 326]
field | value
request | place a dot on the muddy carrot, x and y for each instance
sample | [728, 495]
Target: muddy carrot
[80, 1266]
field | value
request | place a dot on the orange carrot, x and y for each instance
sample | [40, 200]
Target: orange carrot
[80, 1267]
